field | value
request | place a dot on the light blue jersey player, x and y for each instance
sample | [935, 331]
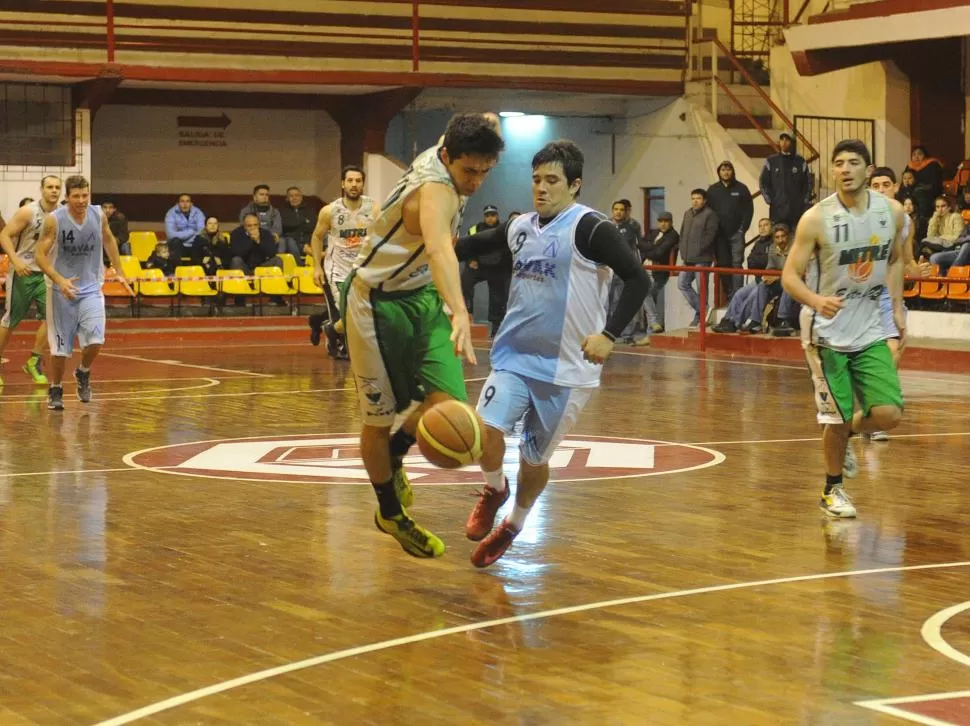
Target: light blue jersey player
[69, 252]
[548, 353]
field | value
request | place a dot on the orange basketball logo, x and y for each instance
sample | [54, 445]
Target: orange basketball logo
[861, 269]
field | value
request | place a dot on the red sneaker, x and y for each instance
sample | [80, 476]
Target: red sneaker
[482, 518]
[493, 547]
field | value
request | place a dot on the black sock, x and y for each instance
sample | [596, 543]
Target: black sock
[401, 441]
[316, 320]
[832, 481]
[35, 356]
[387, 499]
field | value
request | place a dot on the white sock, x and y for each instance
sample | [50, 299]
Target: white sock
[83, 369]
[494, 480]
[517, 518]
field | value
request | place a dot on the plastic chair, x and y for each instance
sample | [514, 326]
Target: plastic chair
[191, 283]
[142, 244]
[289, 265]
[130, 267]
[114, 288]
[305, 282]
[932, 290]
[4, 269]
[958, 291]
[154, 284]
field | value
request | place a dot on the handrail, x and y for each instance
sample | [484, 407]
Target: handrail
[798, 15]
[748, 115]
[764, 96]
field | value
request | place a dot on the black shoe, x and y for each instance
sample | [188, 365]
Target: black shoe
[55, 398]
[333, 340]
[784, 329]
[83, 385]
[316, 329]
[725, 326]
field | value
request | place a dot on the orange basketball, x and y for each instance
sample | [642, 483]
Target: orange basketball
[450, 434]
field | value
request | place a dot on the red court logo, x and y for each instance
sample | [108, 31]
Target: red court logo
[335, 459]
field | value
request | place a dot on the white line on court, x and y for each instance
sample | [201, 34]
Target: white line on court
[70, 471]
[120, 395]
[933, 635]
[190, 697]
[142, 359]
[885, 706]
[816, 438]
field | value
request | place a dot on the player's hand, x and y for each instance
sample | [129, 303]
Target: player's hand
[66, 286]
[19, 266]
[597, 348]
[473, 264]
[828, 307]
[461, 337]
[318, 277]
[124, 281]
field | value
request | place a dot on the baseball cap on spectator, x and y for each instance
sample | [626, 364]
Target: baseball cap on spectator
[665, 215]
[491, 209]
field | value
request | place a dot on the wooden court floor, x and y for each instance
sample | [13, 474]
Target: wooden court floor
[196, 547]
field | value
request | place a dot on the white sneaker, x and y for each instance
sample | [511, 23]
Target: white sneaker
[850, 466]
[837, 504]
[878, 436]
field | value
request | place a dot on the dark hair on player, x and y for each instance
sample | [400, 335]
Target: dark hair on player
[352, 167]
[854, 146]
[564, 152]
[472, 134]
[74, 182]
[884, 171]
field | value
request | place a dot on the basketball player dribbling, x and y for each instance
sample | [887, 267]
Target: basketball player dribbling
[26, 283]
[70, 252]
[548, 354]
[344, 223]
[402, 346]
[850, 244]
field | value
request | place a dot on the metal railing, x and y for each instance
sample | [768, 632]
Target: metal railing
[827, 131]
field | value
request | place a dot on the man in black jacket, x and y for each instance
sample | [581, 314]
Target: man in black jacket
[252, 246]
[657, 249]
[785, 184]
[298, 222]
[494, 268]
[731, 202]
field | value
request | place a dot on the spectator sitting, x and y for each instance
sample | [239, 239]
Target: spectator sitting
[183, 223]
[268, 216]
[748, 304]
[760, 246]
[251, 246]
[161, 259]
[927, 180]
[963, 205]
[118, 223]
[213, 246]
[945, 228]
[297, 223]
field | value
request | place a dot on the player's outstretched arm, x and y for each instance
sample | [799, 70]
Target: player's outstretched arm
[437, 206]
[792, 277]
[316, 244]
[475, 245]
[18, 223]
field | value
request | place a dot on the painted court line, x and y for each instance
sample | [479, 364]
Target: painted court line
[287, 668]
[69, 471]
[885, 705]
[819, 438]
[932, 632]
[142, 359]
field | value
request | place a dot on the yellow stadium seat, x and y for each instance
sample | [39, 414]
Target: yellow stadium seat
[271, 281]
[130, 267]
[142, 244]
[289, 265]
[232, 286]
[191, 283]
[154, 285]
[305, 281]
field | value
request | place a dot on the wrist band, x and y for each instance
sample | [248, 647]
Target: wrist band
[609, 335]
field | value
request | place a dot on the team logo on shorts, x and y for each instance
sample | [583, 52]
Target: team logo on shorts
[335, 459]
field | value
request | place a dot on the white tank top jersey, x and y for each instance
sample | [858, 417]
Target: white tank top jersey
[851, 263]
[77, 250]
[557, 297]
[348, 230]
[391, 258]
[26, 242]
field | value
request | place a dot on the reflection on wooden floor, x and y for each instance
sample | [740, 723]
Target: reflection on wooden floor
[197, 524]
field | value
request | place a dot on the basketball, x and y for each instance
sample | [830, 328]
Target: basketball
[451, 435]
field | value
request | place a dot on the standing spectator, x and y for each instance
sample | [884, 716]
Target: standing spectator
[927, 184]
[266, 213]
[658, 250]
[698, 234]
[731, 202]
[297, 223]
[118, 223]
[493, 268]
[632, 235]
[183, 223]
[785, 183]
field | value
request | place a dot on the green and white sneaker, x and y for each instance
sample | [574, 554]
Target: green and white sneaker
[33, 368]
